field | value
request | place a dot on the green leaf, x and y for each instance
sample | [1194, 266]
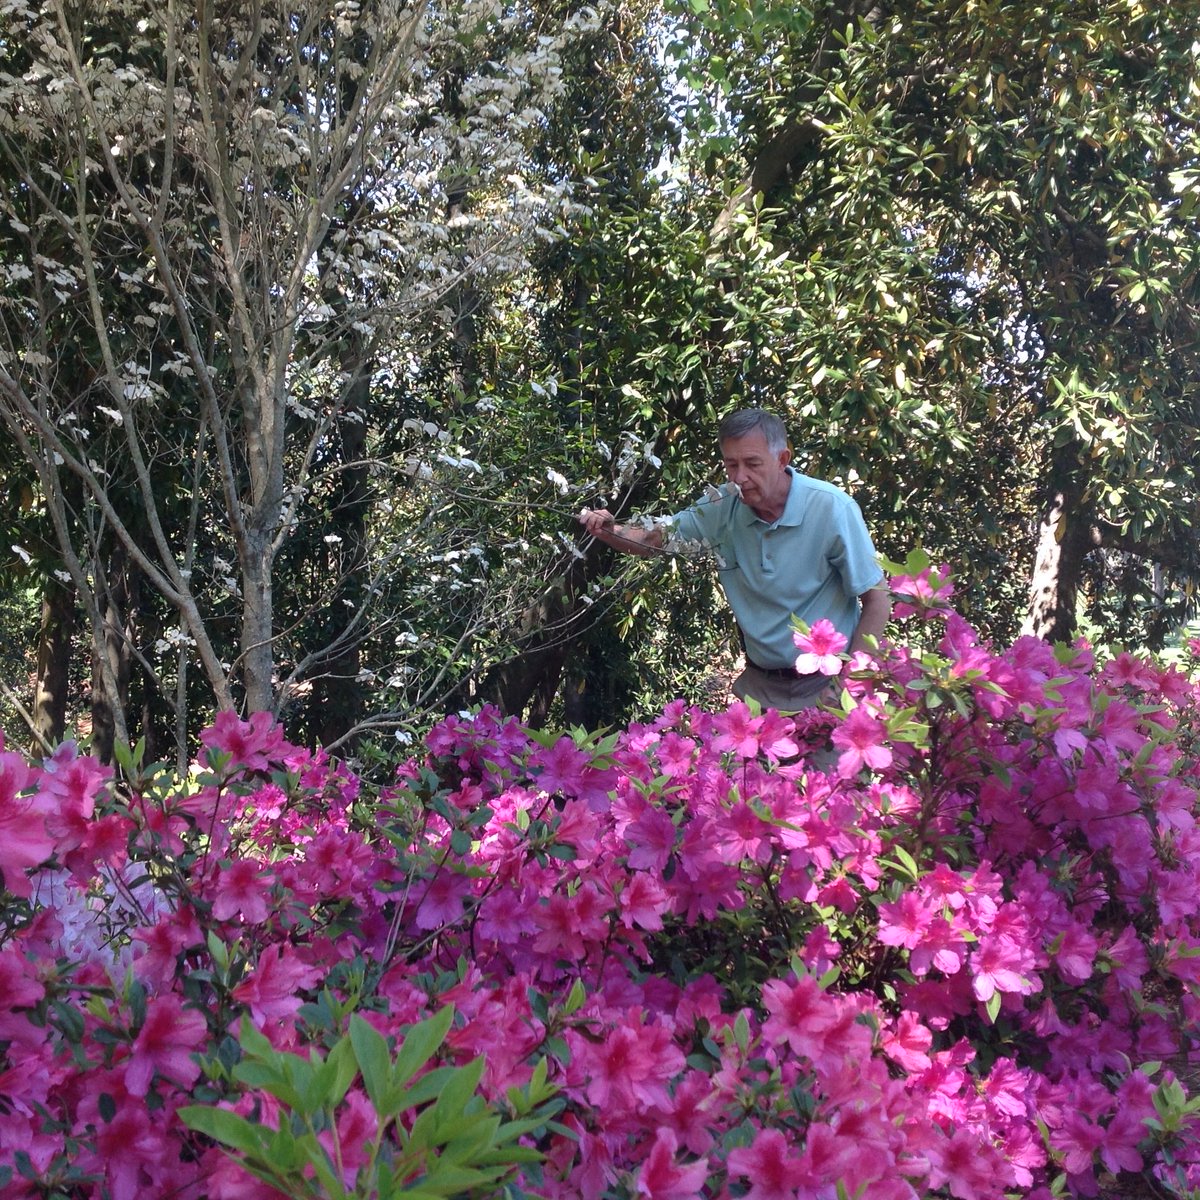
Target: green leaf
[459, 1089]
[254, 1042]
[421, 1042]
[993, 1006]
[903, 862]
[575, 998]
[226, 1127]
[427, 1088]
[371, 1054]
[741, 1032]
[337, 1072]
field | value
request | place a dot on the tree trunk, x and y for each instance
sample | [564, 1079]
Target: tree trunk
[54, 661]
[1063, 540]
[526, 684]
[112, 655]
[257, 622]
[337, 694]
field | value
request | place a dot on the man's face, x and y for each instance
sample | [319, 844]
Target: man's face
[759, 472]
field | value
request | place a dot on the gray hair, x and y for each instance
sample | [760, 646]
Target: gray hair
[745, 421]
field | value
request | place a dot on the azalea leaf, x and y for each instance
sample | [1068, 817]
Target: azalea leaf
[226, 1127]
[420, 1043]
[993, 1006]
[374, 1061]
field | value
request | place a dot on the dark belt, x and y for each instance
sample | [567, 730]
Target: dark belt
[777, 672]
[769, 672]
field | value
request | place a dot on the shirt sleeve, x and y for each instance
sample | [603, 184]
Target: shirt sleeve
[705, 520]
[852, 553]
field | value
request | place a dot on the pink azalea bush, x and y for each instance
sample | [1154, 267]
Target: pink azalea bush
[674, 961]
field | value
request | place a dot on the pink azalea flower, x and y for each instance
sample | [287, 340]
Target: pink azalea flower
[129, 1151]
[776, 737]
[629, 1071]
[1119, 1149]
[675, 755]
[21, 1134]
[838, 893]
[442, 903]
[1130, 962]
[506, 916]
[960, 643]
[165, 941]
[1178, 895]
[68, 787]
[925, 593]
[165, 1044]
[578, 828]
[860, 738]
[968, 1165]
[252, 745]
[241, 890]
[800, 1013]
[849, 1154]
[820, 951]
[651, 838]
[942, 947]
[562, 767]
[569, 922]
[19, 985]
[689, 1116]
[663, 1178]
[744, 835]
[594, 1171]
[904, 922]
[1076, 953]
[105, 841]
[997, 965]
[24, 841]
[908, 1043]
[1183, 959]
[643, 902]
[737, 731]
[820, 649]
[1077, 1139]
[271, 989]
[774, 1174]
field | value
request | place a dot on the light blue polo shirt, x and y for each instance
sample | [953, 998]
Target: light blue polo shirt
[814, 562]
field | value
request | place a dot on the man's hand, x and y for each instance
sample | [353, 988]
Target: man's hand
[597, 521]
[876, 610]
[630, 539]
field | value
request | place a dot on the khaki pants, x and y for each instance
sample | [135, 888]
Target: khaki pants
[780, 691]
[791, 696]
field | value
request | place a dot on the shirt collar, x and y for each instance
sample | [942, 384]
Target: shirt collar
[793, 508]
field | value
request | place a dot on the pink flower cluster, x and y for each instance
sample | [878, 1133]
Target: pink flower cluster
[820, 649]
[925, 592]
[965, 962]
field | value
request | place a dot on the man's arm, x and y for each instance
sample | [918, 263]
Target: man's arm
[873, 619]
[630, 539]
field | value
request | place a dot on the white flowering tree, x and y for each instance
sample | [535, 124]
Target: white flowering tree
[219, 223]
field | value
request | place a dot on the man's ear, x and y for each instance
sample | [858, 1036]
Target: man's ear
[785, 456]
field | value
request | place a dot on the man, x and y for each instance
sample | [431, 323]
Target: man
[786, 545]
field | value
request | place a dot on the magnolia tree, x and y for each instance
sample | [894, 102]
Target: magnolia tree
[944, 942]
[220, 224]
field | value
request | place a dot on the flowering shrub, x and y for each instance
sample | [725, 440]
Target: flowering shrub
[674, 961]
